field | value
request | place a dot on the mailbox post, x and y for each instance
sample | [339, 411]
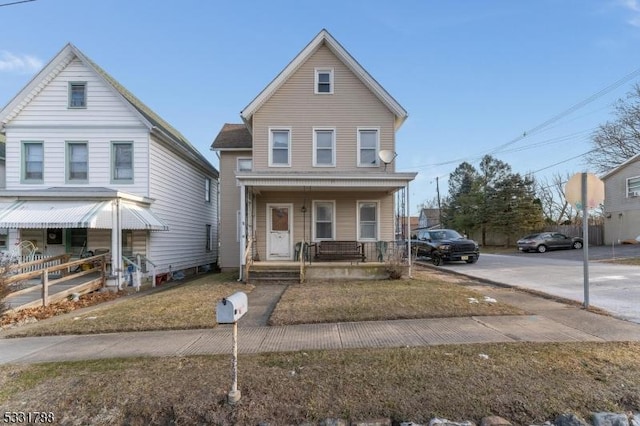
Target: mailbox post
[228, 311]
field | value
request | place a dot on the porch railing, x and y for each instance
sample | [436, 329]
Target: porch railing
[248, 258]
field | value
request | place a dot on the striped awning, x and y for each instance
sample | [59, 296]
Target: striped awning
[78, 214]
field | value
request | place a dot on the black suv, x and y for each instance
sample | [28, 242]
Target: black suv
[444, 245]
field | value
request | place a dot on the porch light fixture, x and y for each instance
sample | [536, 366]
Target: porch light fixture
[387, 156]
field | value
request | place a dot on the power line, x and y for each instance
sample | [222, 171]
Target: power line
[16, 2]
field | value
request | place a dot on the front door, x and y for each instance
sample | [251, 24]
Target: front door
[279, 220]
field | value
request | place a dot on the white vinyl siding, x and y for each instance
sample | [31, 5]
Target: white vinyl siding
[176, 186]
[32, 162]
[368, 147]
[367, 220]
[122, 162]
[324, 147]
[279, 147]
[77, 162]
[324, 213]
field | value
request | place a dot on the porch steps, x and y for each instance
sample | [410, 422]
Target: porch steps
[272, 274]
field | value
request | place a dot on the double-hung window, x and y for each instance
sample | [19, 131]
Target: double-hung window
[324, 81]
[208, 236]
[77, 162]
[122, 162]
[324, 147]
[78, 94]
[323, 220]
[368, 147]
[279, 147]
[367, 220]
[33, 162]
[633, 187]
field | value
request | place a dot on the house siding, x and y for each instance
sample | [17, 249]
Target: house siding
[99, 147]
[178, 188]
[294, 105]
[624, 212]
[50, 105]
[229, 206]
[346, 214]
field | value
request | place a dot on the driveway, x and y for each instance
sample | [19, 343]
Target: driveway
[595, 253]
[614, 288]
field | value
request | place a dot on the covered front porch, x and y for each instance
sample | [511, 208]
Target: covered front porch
[78, 223]
[293, 216]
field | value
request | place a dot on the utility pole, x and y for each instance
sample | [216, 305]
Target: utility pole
[439, 207]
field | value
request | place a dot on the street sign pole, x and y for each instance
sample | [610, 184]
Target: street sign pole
[585, 240]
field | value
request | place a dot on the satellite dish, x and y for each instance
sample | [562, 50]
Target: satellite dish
[387, 156]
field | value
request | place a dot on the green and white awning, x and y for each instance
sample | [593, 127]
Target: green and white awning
[78, 214]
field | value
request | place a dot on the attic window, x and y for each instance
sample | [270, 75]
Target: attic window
[324, 81]
[78, 95]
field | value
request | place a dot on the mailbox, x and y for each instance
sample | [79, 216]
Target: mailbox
[232, 308]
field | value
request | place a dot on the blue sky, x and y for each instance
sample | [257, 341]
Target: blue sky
[473, 75]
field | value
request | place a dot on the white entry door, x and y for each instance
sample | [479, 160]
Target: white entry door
[279, 220]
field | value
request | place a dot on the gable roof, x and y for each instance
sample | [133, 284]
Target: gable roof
[324, 38]
[148, 117]
[233, 137]
[620, 167]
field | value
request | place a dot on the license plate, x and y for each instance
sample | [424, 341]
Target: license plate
[464, 257]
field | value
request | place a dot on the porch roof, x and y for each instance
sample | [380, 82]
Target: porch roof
[77, 214]
[325, 180]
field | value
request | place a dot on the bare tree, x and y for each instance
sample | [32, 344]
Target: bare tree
[616, 141]
[555, 207]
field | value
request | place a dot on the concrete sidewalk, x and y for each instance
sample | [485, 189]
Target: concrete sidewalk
[549, 322]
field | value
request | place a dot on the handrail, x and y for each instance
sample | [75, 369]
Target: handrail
[248, 258]
[302, 255]
[136, 280]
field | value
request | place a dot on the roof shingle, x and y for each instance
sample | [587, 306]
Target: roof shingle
[233, 136]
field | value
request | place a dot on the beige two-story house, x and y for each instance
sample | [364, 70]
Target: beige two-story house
[622, 202]
[306, 164]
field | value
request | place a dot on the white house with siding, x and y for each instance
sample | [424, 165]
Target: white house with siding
[305, 164]
[90, 167]
[622, 202]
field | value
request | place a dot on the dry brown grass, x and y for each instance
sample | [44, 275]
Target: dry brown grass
[525, 382]
[429, 295]
[183, 306]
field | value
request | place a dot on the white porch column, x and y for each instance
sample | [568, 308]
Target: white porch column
[116, 245]
[243, 229]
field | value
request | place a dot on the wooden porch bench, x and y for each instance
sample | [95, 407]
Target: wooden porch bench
[339, 250]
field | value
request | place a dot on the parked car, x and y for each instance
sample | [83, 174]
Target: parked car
[543, 241]
[442, 245]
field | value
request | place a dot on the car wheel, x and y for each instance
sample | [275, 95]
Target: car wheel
[436, 259]
[541, 248]
[577, 244]
[473, 259]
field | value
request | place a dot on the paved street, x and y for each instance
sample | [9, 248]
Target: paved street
[614, 288]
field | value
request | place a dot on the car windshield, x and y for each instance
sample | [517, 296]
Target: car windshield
[445, 234]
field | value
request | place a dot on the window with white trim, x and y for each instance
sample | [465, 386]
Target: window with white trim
[368, 147]
[122, 162]
[633, 187]
[323, 220]
[78, 94]
[207, 190]
[77, 162]
[244, 165]
[33, 162]
[279, 147]
[324, 81]
[367, 220]
[324, 147]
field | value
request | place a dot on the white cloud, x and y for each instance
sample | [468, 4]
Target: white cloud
[18, 63]
[633, 5]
